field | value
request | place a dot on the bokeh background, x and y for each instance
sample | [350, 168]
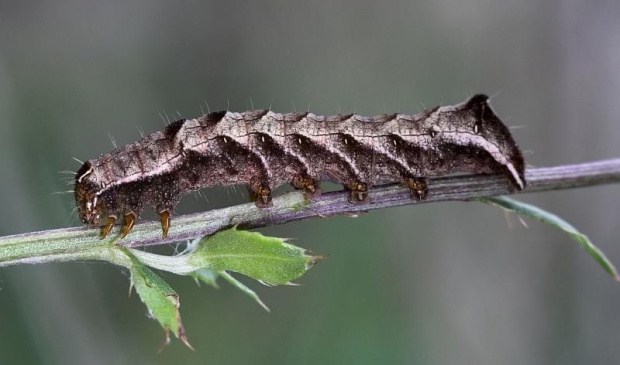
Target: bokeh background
[435, 284]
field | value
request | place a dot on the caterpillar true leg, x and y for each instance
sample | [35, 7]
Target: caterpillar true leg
[108, 227]
[128, 222]
[164, 210]
[165, 222]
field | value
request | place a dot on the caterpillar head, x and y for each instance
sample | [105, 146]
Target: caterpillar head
[90, 207]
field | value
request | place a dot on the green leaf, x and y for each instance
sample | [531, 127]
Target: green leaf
[247, 291]
[267, 259]
[531, 211]
[160, 299]
[206, 276]
[210, 277]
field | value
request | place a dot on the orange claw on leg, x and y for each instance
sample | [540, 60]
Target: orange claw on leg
[165, 222]
[128, 222]
[108, 227]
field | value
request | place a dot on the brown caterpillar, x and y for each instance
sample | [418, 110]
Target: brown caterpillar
[263, 150]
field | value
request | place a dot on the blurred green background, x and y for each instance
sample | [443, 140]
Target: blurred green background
[434, 284]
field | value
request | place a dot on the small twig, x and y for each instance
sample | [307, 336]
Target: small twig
[292, 207]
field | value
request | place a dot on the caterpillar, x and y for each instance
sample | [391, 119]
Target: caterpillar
[264, 150]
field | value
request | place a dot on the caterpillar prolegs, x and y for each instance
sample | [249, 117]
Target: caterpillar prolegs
[263, 150]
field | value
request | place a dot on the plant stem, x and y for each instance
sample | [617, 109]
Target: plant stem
[83, 243]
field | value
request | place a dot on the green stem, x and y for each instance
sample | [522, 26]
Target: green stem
[70, 244]
[175, 264]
